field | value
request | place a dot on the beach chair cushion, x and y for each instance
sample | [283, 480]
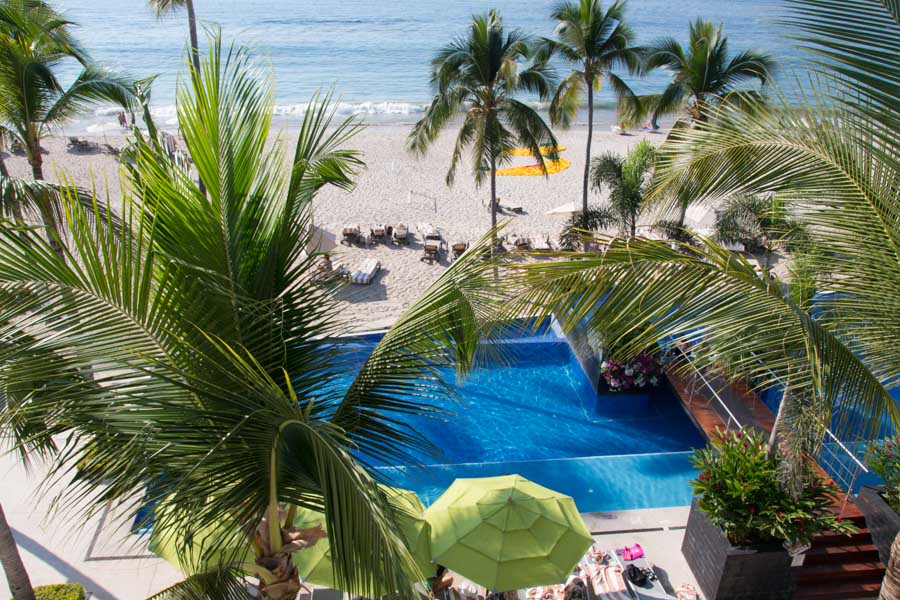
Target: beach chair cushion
[366, 272]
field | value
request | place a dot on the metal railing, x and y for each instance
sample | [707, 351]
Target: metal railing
[732, 422]
[833, 458]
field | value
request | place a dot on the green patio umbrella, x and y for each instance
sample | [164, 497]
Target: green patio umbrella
[166, 545]
[314, 563]
[507, 533]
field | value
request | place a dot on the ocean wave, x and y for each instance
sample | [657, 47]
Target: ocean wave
[169, 111]
[335, 21]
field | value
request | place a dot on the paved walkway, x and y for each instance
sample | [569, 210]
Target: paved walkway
[113, 564]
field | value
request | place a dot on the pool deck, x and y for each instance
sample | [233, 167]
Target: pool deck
[114, 565]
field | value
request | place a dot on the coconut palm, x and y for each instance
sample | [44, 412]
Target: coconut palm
[34, 41]
[762, 224]
[704, 75]
[626, 180]
[833, 158]
[596, 41]
[189, 354]
[480, 75]
[172, 6]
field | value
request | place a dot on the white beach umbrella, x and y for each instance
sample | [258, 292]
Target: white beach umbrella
[565, 209]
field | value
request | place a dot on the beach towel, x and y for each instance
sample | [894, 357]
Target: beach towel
[365, 274]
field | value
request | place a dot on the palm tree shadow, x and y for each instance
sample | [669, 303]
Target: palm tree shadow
[62, 567]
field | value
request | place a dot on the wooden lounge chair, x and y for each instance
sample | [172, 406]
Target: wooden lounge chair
[401, 234]
[433, 243]
[523, 243]
[366, 273]
[459, 248]
[603, 575]
[378, 233]
[350, 235]
[652, 589]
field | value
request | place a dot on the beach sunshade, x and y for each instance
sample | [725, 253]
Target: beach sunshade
[565, 209]
[314, 563]
[230, 545]
[507, 533]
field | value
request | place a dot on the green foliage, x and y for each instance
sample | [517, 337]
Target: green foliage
[480, 75]
[704, 74]
[627, 181]
[884, 460]
[740, 493]
[59, 591]
[580, 224]
[204, 348]
[595, 41]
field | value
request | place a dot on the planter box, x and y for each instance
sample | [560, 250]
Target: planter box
[726, 572]
[632, 403]
[882, 521]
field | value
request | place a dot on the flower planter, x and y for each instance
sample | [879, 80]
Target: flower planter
[727, 572]
[883, 522]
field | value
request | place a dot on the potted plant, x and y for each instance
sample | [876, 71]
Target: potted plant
[743, 519]
[881, 505]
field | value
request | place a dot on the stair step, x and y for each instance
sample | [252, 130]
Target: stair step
[841, 539]
[867, 572]
[859, 553]
[829, 591]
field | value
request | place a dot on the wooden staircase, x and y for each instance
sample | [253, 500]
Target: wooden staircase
[840, 566]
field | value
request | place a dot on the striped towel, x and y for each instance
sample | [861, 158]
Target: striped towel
[606, 581]
[366, 273]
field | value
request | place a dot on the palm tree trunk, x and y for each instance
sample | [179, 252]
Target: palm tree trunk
[890, 586]
[195, 43]
[493, 191]
[16, 575]
[587, 151]
[772, 446]
[195, 59]
[37, 171]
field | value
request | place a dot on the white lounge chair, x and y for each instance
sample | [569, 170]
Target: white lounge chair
[652, 589]
[366, 273]
[604, 576]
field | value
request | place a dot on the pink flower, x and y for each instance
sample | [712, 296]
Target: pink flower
[752, 510]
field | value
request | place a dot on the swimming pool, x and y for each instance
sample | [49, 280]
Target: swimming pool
[535, 414]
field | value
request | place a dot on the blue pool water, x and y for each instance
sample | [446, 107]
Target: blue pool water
[535, 414]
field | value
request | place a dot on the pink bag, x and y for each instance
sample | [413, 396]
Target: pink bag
[633, 552]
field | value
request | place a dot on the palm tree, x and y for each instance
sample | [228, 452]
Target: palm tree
[189, 354]
[834, 159]
[480, 75]
[705, 75]
[627, 181]
[171, 6]
[596, 41]
[761, 223]
[34, 40]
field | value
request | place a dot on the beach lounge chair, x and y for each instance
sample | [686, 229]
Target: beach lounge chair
[459, 248]
[378, 233]
[326, 594]
[652, 589]
[366, 273]
[350, 235]
[401, 234]
[433, 243]
[523, 243]
[604, 576]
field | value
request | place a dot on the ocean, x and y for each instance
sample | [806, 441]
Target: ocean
[374, 54]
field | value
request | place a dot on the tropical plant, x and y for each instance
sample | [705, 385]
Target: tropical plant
[172, 6]
[190, 357]
[572, 236]
[641, 371]
[739, 492]
[596, 41]
[761, 223]
[34, 41]
[704, 75]
[480, 74]
[627, 181]
[884, 460]
[831, 154]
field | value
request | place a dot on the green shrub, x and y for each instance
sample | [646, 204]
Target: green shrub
[740, 493]
[884, 458]
[59, 591]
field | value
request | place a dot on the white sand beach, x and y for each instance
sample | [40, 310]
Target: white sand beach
[397, 187]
